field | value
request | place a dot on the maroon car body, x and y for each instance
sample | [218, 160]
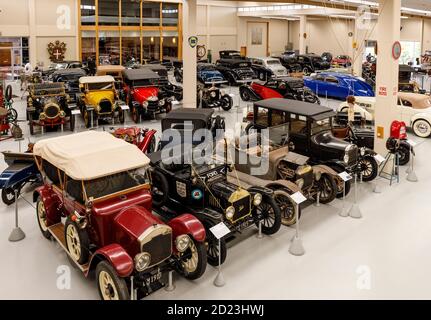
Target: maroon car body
[110, 228]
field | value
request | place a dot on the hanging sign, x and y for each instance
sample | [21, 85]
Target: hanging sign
[193, 41]
[396, 50]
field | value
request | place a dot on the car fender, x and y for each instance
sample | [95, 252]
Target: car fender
[118, 257]
[51, 202]
[188, 224]
[420, 116]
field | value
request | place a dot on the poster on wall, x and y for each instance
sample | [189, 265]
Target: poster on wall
[257, 36]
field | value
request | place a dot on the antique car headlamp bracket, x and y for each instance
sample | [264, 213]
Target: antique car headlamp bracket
[142, 261]
[182, 243]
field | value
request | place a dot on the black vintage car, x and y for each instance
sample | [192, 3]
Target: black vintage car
[311, 63]
[192, 183]
[213, 98]
[310, 134]
[164, 83]
[236, 71]
[70, 78]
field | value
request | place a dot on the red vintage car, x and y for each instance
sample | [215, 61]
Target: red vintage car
[142, 94]
[96, 203]
[144, 139]
[342, 61]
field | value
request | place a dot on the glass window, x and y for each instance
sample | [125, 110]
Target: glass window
[109, 47]
[108, 12]
[131, 47]
[170, 14]
[151, 13]
[88, 40]
[130, 13]
[152, 47]
[88, 12]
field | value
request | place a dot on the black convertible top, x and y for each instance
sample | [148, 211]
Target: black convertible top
[139, 74]
[190, 114]
[312, 110]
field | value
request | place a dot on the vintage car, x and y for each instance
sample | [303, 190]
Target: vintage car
[207, 74]
[412, 108]
[21, 170]
[284, 169]
[101, 215]
[267, 68]
[48, 107]
[199, 185]
[338, 85]
[70, 78]
[170, 89]
[342, 61]
[311, 63]
[99, 100]
[286, 87]
[310, 134]
[236, 71]
[143, 95]
[67, 64]
[213, 98]
[143, 138]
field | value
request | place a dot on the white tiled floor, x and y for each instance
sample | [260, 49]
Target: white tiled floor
[391, 242]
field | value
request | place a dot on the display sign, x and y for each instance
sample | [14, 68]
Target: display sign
[220, 230]
[383, 91]
[345, 176]
[298, 197]
[396, 50]
[379, 158]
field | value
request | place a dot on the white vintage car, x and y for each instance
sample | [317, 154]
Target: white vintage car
[413, 108]
[266, 68]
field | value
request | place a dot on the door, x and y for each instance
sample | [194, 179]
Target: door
[257, 39]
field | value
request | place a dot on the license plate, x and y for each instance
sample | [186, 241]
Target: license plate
[154, 278]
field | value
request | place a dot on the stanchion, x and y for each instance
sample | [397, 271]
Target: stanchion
[296, 246]
[344, 211]
[219, 281]
[17, 234]
[170, 287]
[355, 211]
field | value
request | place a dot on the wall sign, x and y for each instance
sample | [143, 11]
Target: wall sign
[396, 50]
[193, 41]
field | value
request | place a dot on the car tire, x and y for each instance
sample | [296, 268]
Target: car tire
[109, 284]
[422, 128]
[77, 241]
[327, 181]
[403, 155]
[41, 218]
[195, 266]
[271, 222]
[227, 102]
[8, 196]
[159, 188]
[371, 170]
[287, 208]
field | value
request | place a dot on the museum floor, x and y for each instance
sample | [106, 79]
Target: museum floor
[389, 247]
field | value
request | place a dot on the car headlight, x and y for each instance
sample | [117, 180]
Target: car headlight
[182, 242]
[142, 261]
[213, 94]
[362, 151]
[145, 104]
[257, 200]
[230, 212]
[162, 102]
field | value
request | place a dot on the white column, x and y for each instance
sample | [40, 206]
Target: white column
[302, 32]
[387, 70]
[32, 36]
[189, 54]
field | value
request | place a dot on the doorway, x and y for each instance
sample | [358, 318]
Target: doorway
[257, 39]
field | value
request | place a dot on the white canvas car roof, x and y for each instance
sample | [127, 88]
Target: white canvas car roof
[96, 79]
[90, 155]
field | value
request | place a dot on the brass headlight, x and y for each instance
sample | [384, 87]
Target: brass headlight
[182, 242]
[142, 261]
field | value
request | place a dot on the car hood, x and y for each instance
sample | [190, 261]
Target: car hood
[94, 98]
[143, 94]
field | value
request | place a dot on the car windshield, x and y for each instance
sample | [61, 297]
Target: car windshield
[105, 186]
[321, 126]
[100, 86]
[272, 62]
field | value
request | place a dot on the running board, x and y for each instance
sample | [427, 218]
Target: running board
[57, 231]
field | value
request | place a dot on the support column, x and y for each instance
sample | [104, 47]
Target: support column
[189, 54]
[32, 36]
[389, 22]
[302, 32]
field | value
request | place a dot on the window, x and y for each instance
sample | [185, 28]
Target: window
[88, 12]
[151, 13]
[108, 12]
[170, 14]
[130, 13]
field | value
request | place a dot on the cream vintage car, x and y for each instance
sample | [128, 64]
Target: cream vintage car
[412, 108]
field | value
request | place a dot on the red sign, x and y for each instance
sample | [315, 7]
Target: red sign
[396, 50]
[383, 91]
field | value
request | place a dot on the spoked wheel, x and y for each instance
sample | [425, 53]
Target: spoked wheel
[369, 168]
[287, 207]
[41, 218]
[195, 264]
[77, 242]
[159, 188]
[327, 188]
[110, 285]
[8, 196]
[270, 213]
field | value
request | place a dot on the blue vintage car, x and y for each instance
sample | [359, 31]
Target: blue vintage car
[338, 85]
